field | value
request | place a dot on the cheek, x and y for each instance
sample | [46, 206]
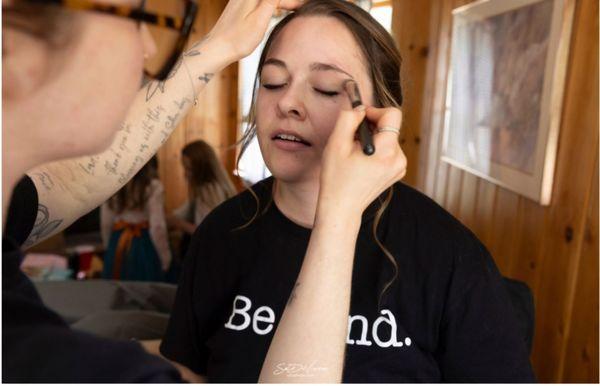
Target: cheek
[323, 117]
[264, 113]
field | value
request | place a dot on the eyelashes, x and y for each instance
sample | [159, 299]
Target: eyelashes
[273, 86]
[329, 94]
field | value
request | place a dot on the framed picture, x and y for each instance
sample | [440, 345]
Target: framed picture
[504, 93]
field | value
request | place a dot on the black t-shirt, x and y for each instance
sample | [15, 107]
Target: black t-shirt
[22, 211]
[446, 317]
[37, 344]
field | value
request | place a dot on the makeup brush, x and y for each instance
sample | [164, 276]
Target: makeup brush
[364, 133]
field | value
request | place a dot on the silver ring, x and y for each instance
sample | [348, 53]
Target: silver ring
[390, 129]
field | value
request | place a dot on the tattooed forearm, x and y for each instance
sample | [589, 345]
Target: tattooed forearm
[43, 227]
[155, 86]
[193, 50]
[172, 120]
[90, 166]
[45, 179]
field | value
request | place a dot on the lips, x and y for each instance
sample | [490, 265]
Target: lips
[289, 136]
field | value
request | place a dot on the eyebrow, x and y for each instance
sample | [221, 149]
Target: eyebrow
[313, 66]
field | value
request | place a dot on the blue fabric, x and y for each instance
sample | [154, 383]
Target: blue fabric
[140, 263]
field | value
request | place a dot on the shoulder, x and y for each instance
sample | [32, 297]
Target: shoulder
[434, 225]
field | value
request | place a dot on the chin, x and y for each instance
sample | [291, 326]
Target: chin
[292, 173]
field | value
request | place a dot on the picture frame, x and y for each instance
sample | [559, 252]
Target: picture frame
[505, 90]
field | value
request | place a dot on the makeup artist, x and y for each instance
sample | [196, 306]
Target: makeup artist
[71, 73]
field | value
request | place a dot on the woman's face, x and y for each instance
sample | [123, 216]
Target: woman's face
[300, 94]
[72, 97]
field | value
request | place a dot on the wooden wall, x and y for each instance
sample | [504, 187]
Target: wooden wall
[214, 119]
[554, 249]
[410, 28]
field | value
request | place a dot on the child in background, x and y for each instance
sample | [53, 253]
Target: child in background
[134, 229]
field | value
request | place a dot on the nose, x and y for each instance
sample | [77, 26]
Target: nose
[148, 42]
[291, 105]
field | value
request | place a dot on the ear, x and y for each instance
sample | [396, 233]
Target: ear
[25, 62]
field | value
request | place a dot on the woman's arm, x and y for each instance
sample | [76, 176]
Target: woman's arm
[317, 310]
[180, 224]
[69, 189]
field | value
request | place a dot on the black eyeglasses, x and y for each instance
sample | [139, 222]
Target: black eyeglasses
[170, 33]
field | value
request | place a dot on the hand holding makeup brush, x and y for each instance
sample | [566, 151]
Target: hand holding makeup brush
[350, 180]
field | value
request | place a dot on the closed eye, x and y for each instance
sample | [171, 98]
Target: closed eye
[327, 93]
[273, 86]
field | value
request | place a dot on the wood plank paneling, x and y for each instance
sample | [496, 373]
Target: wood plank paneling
[553, 249]
[563, 229]
[503, 231]
[527, 256]
[484, 210]
[410, 26]
[433, 115]
[581, 356]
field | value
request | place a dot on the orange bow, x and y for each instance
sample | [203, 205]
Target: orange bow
[129, 232]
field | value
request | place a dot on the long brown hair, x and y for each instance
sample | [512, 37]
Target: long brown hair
[134, 195]
[382, 59]
[208, 180]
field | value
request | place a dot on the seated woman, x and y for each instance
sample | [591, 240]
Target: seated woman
[409, 292]
[134, 230]
[208, 186]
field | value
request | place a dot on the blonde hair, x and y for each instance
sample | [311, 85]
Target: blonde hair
[209, 181]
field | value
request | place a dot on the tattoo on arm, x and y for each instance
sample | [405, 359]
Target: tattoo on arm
[206, 77]
[43, 227]
[45, 180]
[155, 86]
[193, 50]
[293, 294]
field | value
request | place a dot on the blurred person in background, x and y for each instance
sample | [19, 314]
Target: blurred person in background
[134, 230]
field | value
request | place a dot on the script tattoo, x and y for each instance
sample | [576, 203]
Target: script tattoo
[43, 227]
[173, 119]
[45, 179]
[90, 166]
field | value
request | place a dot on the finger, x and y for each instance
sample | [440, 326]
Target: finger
[386, 142]
[263, 12]
[346, 125]
[388, 116]
[290, 4]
